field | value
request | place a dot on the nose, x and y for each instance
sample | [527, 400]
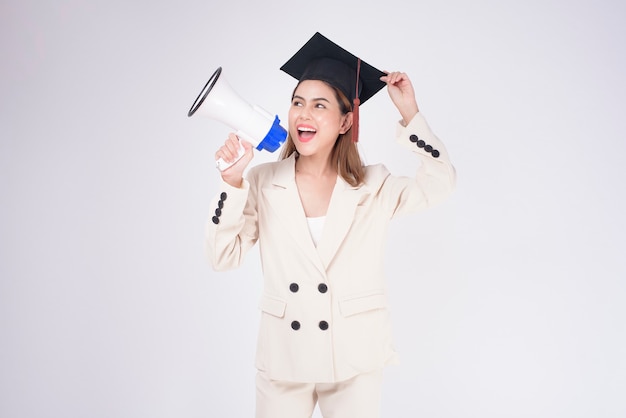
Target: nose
[304, 113]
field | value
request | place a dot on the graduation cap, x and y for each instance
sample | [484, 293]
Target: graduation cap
[322, 59]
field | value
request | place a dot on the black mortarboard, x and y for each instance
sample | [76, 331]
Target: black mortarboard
[322, 59]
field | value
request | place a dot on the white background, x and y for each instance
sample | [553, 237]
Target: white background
[508, 299]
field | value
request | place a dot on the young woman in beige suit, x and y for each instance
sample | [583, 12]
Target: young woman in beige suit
[320, 217]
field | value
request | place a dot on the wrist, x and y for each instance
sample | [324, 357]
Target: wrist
[408, 116]
[408, 111]
[233, 181]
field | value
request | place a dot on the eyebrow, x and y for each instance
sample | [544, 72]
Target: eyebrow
[315, 99]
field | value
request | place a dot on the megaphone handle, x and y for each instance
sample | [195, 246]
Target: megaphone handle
[223, 165]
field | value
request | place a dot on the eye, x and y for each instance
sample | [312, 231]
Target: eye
[296, 103]
[320, 106]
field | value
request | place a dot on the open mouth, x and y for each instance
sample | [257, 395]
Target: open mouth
[305, 133]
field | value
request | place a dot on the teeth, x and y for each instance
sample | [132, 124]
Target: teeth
[306, 129]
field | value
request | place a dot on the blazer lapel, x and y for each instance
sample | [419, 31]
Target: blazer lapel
[339, 218]
[284, 199]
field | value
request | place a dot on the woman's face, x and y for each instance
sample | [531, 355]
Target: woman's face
[315, 118]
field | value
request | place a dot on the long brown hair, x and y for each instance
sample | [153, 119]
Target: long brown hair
[345, 154]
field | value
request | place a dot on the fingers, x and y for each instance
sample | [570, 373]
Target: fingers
[230, 150]
[394, 77]
[232, 158]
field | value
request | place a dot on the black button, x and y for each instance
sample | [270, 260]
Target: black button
[215, 220]
[413, 138]
[421, 143]
[322, 288]
[294, 287]
[223, 196]
[220, 204]
[428, 148]
[295, 325]
[218, 212]
[323, 325]
[435, 153]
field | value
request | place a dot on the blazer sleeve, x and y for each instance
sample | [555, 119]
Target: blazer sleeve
[435, 178]
[231, 230]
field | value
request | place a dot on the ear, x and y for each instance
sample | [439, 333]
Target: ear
[346, 123]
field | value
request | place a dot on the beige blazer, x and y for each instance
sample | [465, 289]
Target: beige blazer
[324, 314]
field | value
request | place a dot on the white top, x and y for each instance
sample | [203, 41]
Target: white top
[316, 226]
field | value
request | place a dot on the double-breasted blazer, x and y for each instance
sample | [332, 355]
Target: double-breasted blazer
[324, 315]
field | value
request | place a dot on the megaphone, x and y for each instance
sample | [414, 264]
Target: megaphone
[219, 101]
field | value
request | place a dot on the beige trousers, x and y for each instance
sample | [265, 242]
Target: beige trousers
[358, 397]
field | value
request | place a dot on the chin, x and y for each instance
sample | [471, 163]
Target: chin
[306, 151]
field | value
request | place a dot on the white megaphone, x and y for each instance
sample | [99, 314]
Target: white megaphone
[219, 101]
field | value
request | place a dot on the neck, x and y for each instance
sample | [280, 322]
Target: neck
[315, 166]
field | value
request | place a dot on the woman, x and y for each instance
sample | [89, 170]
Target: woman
[321, 217]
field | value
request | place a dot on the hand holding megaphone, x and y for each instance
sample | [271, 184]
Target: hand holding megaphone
[219, 101]
[236, 153]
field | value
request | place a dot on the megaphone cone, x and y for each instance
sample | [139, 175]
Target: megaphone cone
[218, 101]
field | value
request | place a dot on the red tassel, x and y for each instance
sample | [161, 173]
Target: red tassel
[355, 119]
